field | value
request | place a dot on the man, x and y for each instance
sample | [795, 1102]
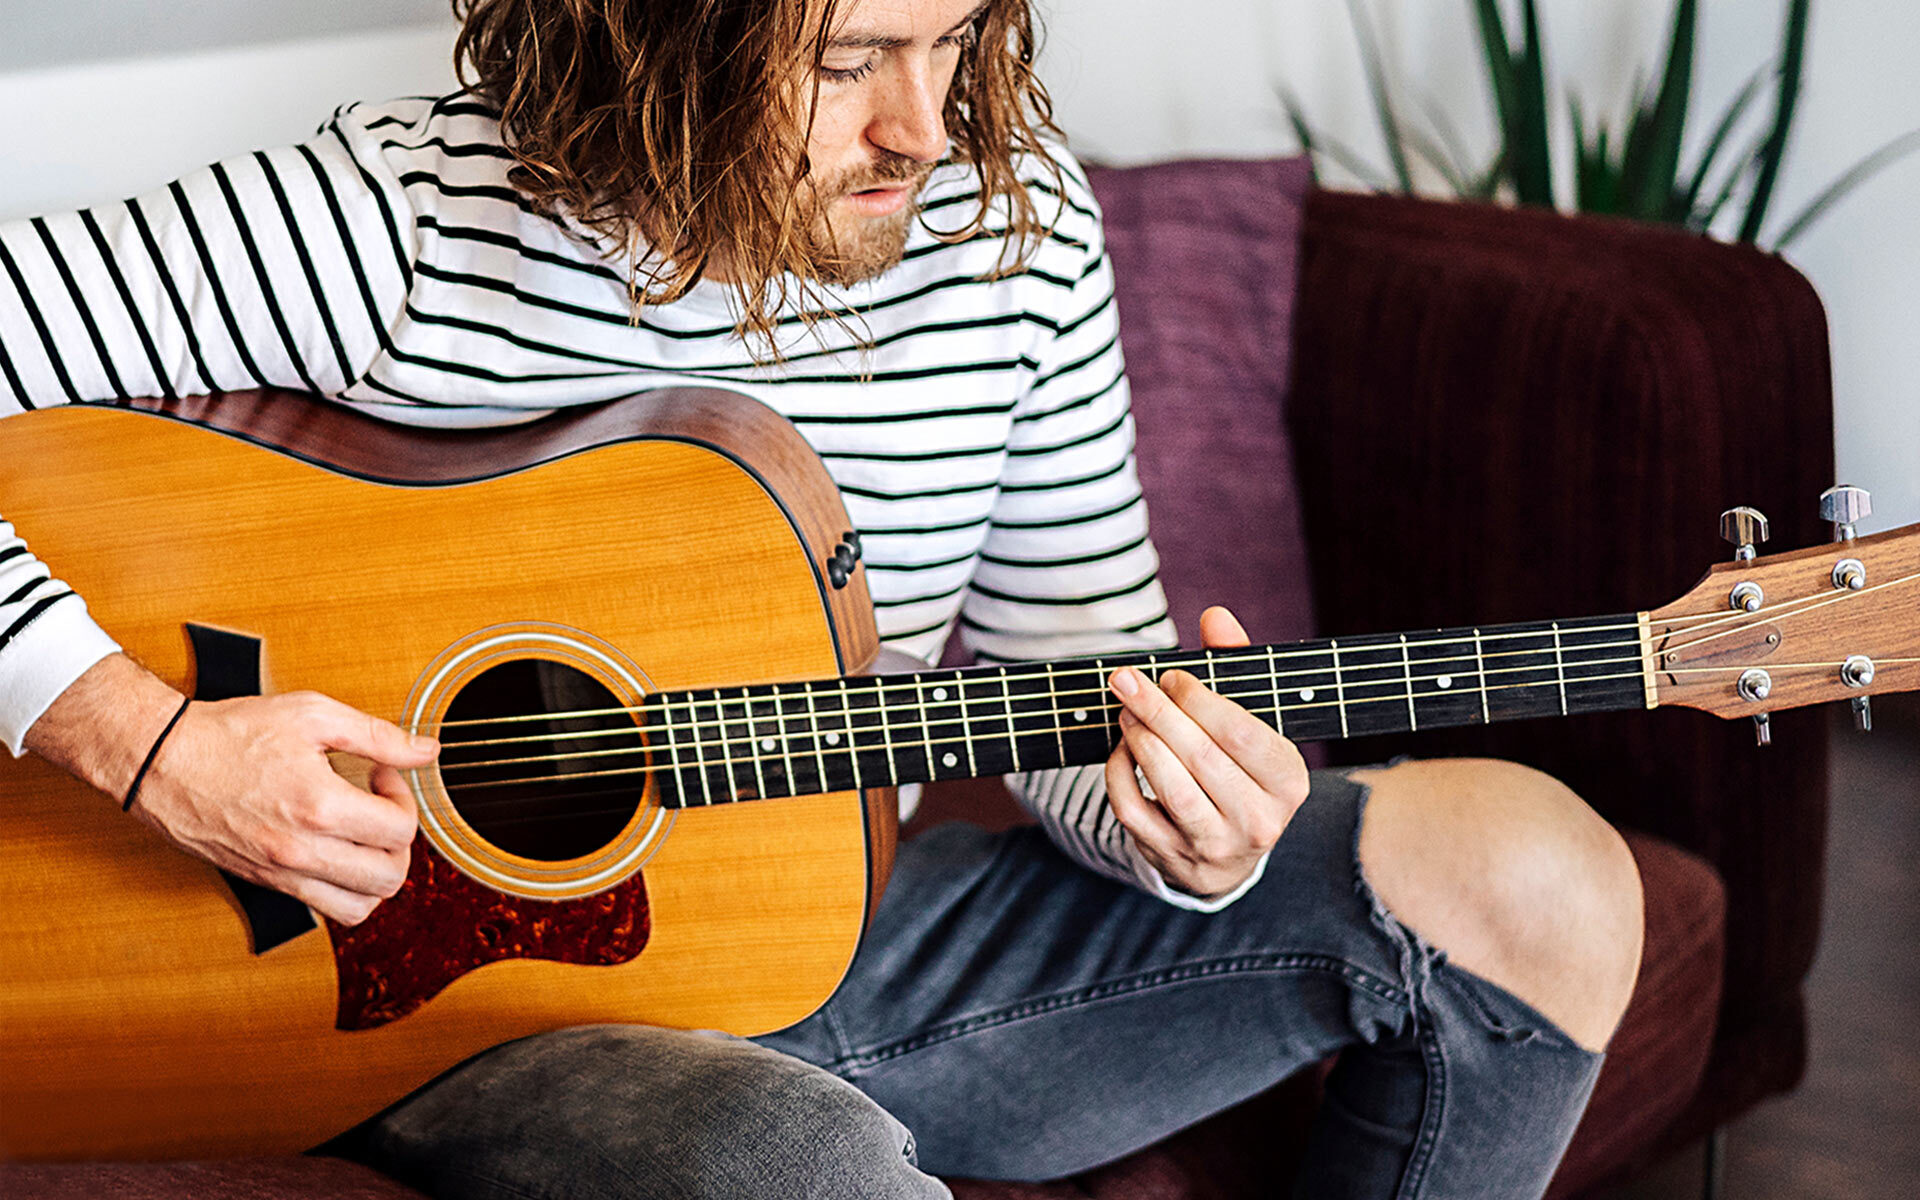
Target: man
[845, 210]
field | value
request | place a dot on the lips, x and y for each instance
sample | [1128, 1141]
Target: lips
[880, 201]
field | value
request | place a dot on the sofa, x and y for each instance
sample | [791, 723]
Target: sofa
[1361, 414]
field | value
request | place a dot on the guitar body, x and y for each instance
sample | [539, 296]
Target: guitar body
[672, 541]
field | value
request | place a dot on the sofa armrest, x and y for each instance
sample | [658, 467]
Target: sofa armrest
[1508, 415]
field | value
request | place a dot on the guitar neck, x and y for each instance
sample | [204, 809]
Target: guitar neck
[719, 745]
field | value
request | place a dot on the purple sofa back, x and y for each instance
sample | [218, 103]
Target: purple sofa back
[1205, 258]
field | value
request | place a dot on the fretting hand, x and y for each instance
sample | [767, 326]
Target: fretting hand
[246, 784]
[1224, 784]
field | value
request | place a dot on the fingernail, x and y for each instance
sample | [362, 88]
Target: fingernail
[422, 743]
[1124, 681]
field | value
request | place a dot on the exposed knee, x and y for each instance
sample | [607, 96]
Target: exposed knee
[1510, 873]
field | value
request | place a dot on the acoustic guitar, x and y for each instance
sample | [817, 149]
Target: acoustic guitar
[665, 794]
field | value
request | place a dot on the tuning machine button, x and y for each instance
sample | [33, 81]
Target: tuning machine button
[1743, 527]
[1844, 505]
[1863, 713]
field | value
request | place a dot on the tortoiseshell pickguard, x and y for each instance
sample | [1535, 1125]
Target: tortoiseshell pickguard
[443, 923]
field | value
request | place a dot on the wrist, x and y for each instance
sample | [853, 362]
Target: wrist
[100, 729]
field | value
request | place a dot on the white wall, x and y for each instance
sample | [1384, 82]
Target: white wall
[1134, 80]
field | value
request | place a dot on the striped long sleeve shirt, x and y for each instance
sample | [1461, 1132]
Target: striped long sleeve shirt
[978, 428]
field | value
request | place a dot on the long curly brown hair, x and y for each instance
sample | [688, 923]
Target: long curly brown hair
[679, 128]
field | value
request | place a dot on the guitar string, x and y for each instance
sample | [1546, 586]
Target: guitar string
[923, 744]
[477, 805]
[999, 705]
[1060, 665]
[668, 700]
[999, 712]
[1256, 654]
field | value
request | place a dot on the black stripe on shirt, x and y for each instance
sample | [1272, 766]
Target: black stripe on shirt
[212, 276]
[134, 316]
[40, 327]
[81, 306]
[139, 219]
[26, 618]
[321, 303]
[260, 275]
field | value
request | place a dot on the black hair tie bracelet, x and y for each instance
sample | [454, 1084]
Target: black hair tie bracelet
[140, 776]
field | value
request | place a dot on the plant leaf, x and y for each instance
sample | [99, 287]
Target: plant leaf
[1382, 100]
[1793, 57]
[1852, 178]
[1500, 73]
[1666, 119]
[1721, 131]
[1743, 169]
[1531, 151]
[1316, 145]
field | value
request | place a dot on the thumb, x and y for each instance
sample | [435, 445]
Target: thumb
[348, 729]
[1220, 628]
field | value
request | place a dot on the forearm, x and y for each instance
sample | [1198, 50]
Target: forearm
[100, 727]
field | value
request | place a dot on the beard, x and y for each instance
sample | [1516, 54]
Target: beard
[847, 247]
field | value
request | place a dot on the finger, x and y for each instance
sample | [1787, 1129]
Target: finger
[1219, 628]
[383, 820]
[337, 904]
[340, 727]
[1157, 708]
[1192, 811]
[349, 866]
[1258, 751]
[1141, 817]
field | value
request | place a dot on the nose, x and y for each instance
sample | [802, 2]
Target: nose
[909, 115]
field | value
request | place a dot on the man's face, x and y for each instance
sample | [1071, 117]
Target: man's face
[878, 127]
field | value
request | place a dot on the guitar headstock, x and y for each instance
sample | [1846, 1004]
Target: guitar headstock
[1760, 634]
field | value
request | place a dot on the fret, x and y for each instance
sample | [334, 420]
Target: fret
[1031, 711]
[754, 745]
[672, 747]
[813, 731]
[726, 745]
[1086, 735]
[926, 726]
[1307, 692]
[1371, 686]
[1522, 679]
[1560, 668]
[1273, 684]
[966, 724]
[1602, 664]
[1444, 688]
[1053, 703]
[846, 714]
[1406, 672]
[947, 724]
[1480, 657]
[1013, 735]
[699, 751]
[796, 783]
[1339, 687]
[867, 702]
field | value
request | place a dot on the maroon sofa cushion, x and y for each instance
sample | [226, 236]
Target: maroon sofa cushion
[1205, 258]
[285, 1177]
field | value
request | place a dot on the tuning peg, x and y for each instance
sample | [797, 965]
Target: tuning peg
[1863, 713]
[1762, 729]
[1743, 527]
[1845, 504]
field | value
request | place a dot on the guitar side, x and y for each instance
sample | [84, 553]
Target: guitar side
[135, 1020]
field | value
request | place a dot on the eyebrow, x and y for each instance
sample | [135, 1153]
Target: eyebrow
[878, 41]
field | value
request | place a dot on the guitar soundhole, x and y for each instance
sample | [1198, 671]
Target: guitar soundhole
[542, 760]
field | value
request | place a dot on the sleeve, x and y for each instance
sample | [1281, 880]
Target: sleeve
[1068, 567]
[281, 268]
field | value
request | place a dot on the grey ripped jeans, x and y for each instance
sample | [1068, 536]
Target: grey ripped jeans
[1012, 1016]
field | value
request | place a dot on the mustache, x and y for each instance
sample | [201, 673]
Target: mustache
[894, 169]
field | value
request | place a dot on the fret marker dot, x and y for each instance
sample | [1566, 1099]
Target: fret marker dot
[767, 743]
[1079, 714]
[833, 739]
[939, 693]
[1444, 682]
[1306, 693]
[949, 760]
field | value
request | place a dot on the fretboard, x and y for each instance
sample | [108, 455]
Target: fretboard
[718, 745]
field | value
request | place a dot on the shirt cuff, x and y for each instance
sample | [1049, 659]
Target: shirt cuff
[42, 661]
[1156, 884]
